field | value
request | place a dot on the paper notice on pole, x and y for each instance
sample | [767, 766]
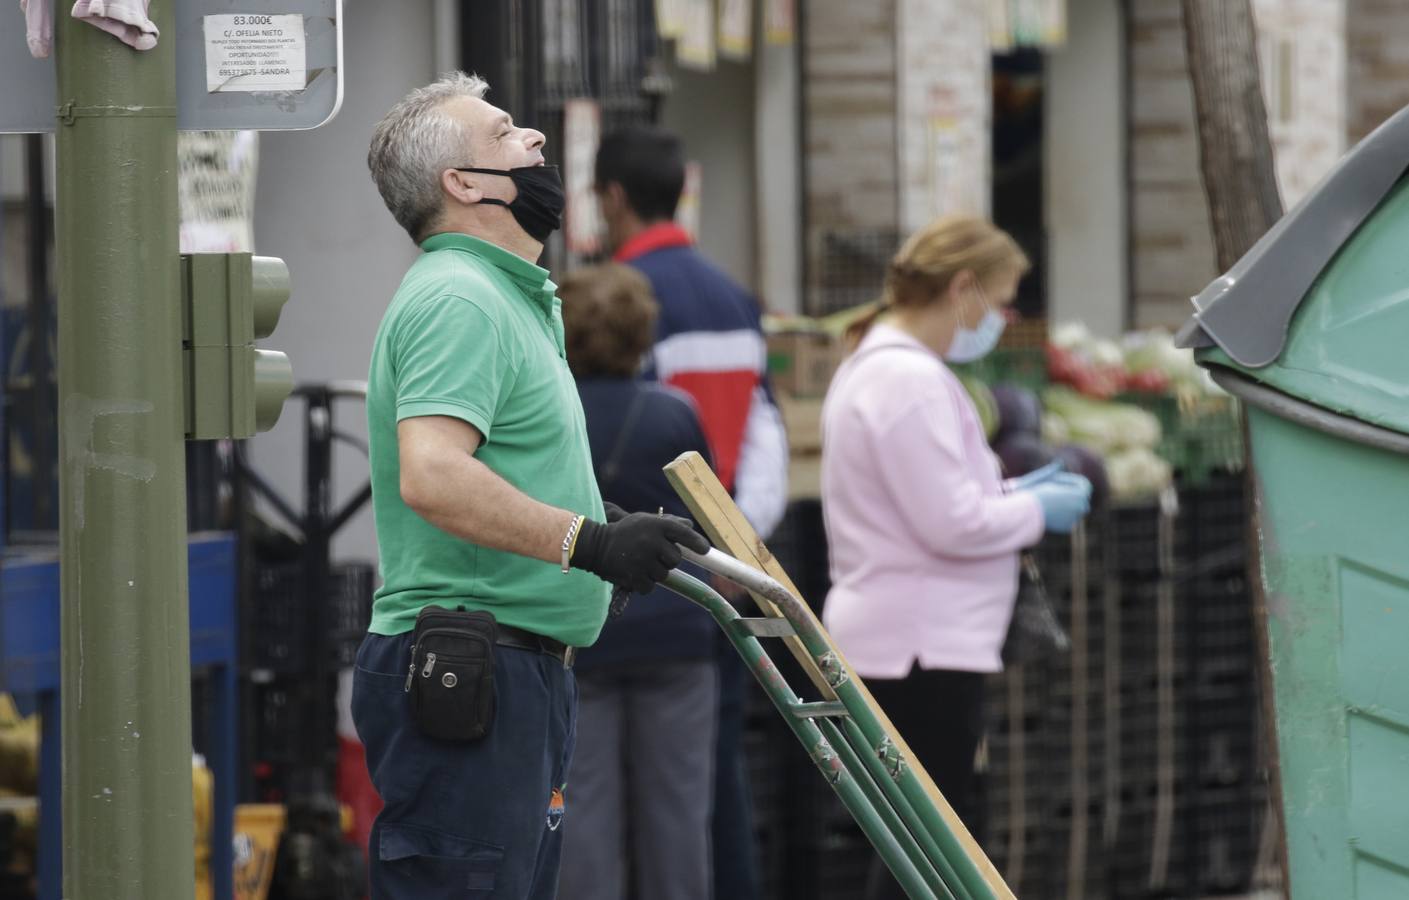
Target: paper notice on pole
[736, 29]
[695, 49]
[582, 128]
[1000, 26]
[1054, 31]
[957, 181]
[670, 19]
[687, 212]
[216, 176]
[249, 52]
[779, 21]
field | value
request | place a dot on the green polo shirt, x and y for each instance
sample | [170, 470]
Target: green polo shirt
[476, 332]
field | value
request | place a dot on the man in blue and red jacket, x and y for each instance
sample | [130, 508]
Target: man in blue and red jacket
[709, 343]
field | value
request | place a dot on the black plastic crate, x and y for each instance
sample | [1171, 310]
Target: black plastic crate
[280, 608]
[275, 724]
[799, 544]
[1219, 618]
[827, 855]
[1151, 860]
[1223, 759]
[1215, 514]
[1225, 831]
[1006, 784]
[1134, 535]
[844, 862]
[1091, 880]
[1022, 854]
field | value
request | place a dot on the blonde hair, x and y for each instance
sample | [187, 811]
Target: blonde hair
[928, 261]
[609, 320]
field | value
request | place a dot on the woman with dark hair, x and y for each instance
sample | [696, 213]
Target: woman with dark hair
[642, 776]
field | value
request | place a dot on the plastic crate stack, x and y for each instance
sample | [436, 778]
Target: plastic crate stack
[281, 609]
[809, 846]
[1151, 659]
[1128, 769]
[1046, 758]
[1227, 781]
[1077, 747]
[277, 659]
[1192, 794]
[1017, 785]
[767, 762]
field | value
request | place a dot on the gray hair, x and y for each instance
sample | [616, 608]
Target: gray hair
[414, 143]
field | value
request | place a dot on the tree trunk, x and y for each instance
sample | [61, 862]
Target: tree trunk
[1235, 150]
[1240, 182]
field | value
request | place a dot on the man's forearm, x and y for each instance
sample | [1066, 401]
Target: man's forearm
[469, 500]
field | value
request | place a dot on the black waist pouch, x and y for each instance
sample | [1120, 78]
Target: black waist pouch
[451, 680]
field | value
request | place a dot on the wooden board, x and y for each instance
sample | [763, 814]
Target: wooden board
[721, 520]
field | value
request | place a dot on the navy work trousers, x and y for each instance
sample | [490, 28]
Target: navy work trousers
[469, 821]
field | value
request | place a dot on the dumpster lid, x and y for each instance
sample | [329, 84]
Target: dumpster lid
[1247, 311]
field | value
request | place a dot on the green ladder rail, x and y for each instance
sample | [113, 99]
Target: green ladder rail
[853, 750]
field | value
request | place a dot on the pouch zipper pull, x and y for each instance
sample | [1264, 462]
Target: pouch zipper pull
[430, 665]
[410, 673]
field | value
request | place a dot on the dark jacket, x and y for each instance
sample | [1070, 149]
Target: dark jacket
[659, 625]
[710, 344]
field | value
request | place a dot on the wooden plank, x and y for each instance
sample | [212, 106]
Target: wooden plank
[727, 528]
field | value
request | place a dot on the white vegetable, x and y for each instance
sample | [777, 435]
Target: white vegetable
[1070, 336]
[1101, 425]
[1055, 430]
[1137, 474]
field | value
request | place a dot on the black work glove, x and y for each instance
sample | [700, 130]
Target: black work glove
[636, 551]
[620, 595]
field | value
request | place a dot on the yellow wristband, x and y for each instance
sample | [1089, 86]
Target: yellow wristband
[570, 541]
[576, 533]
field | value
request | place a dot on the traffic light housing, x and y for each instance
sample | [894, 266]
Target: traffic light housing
[229, 300]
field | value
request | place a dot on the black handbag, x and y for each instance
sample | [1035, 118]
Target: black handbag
[1034, 632]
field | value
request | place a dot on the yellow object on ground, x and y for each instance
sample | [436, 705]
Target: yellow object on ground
[19, 749]
[203, 795]
[258, 828]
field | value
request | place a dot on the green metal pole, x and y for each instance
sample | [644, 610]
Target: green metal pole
[127, 817]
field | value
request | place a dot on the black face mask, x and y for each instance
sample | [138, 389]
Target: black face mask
[539, 206]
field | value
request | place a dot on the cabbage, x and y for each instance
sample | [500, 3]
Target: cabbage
[1101, 425]
[1137, 474]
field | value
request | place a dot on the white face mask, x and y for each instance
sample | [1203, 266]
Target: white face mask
[974, 343]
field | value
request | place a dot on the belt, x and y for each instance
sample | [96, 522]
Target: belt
[509, 636]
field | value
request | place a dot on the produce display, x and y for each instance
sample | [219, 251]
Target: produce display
[1123, 413]
[1127, 413]
[1142, 362]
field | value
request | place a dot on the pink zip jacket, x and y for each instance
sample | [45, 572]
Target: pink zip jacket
[923, 539]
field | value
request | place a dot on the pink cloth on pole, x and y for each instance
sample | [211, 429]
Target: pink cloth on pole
[126, 19]
[39, 26]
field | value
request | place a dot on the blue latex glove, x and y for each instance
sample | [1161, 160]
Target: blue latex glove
[1071, 479]
[1065, 499]
[1037, 476]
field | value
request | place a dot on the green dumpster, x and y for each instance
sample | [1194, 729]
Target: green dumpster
[1311, 331]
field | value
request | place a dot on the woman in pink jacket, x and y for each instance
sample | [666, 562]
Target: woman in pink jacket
[923, 531]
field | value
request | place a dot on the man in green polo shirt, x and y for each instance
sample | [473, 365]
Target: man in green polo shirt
[485, 502]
